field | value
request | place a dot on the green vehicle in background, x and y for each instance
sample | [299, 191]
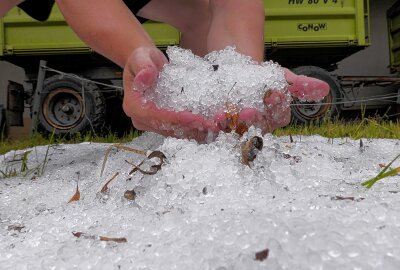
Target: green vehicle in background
[393, 21]
[393, 17]
[308, 36]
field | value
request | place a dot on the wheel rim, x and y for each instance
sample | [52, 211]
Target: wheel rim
[63, 108]
[310, 111]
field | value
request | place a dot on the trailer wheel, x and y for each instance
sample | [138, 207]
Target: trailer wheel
[315, 111]
[66, 109]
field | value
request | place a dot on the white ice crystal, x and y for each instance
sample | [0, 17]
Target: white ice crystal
[204, 85]
[301, 201]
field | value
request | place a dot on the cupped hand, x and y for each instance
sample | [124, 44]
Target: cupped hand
[140, 75]
[277, 105]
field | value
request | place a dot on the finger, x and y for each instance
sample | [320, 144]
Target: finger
[145, 127]
[192, 126]
[276, 98]
[132, 101]
[169, 123]
[158, 58]
[249, 115]
[277, 112]
[199, 134]
[189, 119]
[247, 118]
[307, 88]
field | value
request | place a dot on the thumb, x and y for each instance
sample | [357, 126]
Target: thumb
[304, 87]
[145, 79]
[144, 65]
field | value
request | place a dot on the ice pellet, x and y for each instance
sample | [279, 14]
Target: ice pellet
[206, 85]
[204, 209]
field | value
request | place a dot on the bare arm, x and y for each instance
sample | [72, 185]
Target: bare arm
[6, 5]
[107, 26]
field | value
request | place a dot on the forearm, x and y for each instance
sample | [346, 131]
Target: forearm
[230, 24]
[6, 5]
[107, 26]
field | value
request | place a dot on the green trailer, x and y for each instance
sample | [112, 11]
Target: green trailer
[309, 36]
[390, 85]
[336, 28]
[393, 17]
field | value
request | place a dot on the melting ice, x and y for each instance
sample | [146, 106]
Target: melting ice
[298, 206]
[205, 85]
[300, 203]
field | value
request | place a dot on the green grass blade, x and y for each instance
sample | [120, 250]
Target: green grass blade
[382, 174]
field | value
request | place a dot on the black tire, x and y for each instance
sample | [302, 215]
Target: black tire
[64, 110]
[118, 123]
[316, 113]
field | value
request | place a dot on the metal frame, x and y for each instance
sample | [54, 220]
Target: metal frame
[37, 95]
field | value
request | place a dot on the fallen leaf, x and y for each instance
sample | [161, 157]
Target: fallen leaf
[101, 238]
[397, 170]
[113, 239]
[291, 138]
[154, 168]
[161, 156]
[76, 196]
[250, 148]
[130, 195]
[79, 234]
[135, 167]
[104, 189]
[340, 198]
[15, 227]
[262, 255]
[241, 128]
[158, 154]
[121, 147]
[232, 117]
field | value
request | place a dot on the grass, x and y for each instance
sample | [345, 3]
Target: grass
[7, 145]
[366, 128]
[383, 174]
[36, 139]
[377, 128]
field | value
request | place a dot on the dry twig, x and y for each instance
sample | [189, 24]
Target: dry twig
[104, 189]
